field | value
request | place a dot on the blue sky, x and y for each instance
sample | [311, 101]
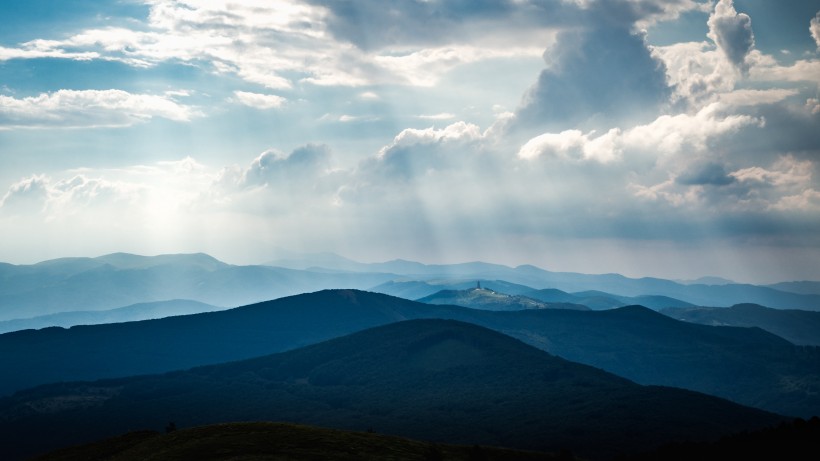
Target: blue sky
[646, 137]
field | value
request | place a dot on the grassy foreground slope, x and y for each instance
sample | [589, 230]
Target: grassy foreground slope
[280, 441]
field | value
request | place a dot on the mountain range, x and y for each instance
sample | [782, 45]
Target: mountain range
[118, 280]
[435, 380]
[140, 323]
[705, 291]
[746, 365]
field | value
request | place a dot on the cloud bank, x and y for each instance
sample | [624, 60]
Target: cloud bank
[699, 147]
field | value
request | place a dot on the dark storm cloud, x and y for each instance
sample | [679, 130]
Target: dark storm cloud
[713, 174]
[600, 74]
[732, 32]
[785, 130]
[373, 24]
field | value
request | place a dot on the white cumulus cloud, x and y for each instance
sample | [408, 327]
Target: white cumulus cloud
[259, 101]
[666, 135]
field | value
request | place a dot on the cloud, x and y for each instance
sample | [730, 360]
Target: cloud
[419, 159]
[813, 105]
[459, 131]
[259, 101]
[696, 71]
[439, 116]
[711, 173]
[281, 44]
[256, 42]
[751, 97]
[369, 96]
[732, 32]
[616, 139]
[273, 168]
[347, 118]
[69, 195]
[814, 29]
[58, 198]
[702, 72]
[574, 145]
[429, 23]
[596, 75]
[303, 181]
[285, 43]
[41, 49]
[26, 196]
[643, 11]
[803, 70]
[425, 24]
[89, 109]
[667, 135]
[583, 184]
[787, 184]
[426, 66]
[786, 172]
[807, 200]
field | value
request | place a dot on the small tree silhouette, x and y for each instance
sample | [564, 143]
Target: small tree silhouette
[171, 427]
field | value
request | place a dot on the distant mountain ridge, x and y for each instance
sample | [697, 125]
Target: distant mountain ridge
[657, 292]
[135, 312]
[801, 287]
[599, 300]
[710, 290]
[120, 279]
[437, 380]
[799, 327]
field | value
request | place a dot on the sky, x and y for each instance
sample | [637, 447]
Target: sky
[673, 139]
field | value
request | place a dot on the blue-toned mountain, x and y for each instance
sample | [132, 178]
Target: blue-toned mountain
[438, 380]
[747, 365]
[798, 326]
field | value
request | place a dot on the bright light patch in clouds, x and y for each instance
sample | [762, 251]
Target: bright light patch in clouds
[441, 116]
[517, 132]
